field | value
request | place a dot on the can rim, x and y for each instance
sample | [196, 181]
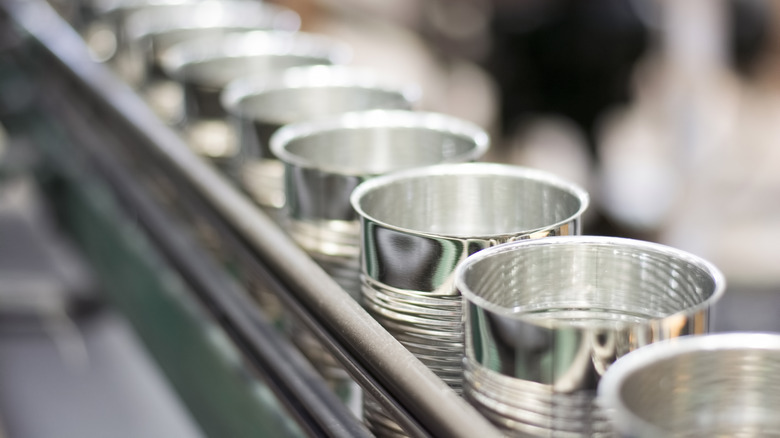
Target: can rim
[611, 382]
[313, 76]
[377, 118]
[254, 43]
[718, 279]
[476, 169]
[249, 15]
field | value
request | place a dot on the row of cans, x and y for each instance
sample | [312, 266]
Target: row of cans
[479, 269]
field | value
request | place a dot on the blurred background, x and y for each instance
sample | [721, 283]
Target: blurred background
[666, 111]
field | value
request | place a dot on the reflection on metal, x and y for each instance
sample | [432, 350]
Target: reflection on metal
[325, 159]
[418, 225]
[420, 402]
[262, 103]
[211, 138]
[152, 29]
[205, 65]
[101, 41]
[545, 318]
[712, 385]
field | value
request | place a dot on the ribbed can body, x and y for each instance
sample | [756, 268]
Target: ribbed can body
[545, 319]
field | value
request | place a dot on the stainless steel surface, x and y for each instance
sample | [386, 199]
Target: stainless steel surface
[546, 318]
[261, 104]
[105, 34]
[418, 224]
[717, 385]
[326, 159]
[204, 66]
[418, 400]
[103, 7]
[150, 31]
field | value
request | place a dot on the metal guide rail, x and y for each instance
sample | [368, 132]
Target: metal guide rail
[155, 175]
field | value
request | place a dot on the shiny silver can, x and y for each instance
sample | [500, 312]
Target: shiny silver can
[106, 33]
[545, 319]
[326, 159]
[716, 385]
[418, 225]
[202, 67]
[261, 104]
[152, 30]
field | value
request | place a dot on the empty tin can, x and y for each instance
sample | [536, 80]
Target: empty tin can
[716, 385]
[418, 225]
[261, 104]
[544, 320]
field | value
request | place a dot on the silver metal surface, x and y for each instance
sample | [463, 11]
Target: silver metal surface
[326, 159]
[110, 6]
[418, 225]
[716, 385]
[105, 34]
[545, 319]
[151, 30]
[204, 66]
[261, 104]
[418, 399]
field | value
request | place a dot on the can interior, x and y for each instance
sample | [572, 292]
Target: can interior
[588, 282]
[287, 105]
[471, 204]
[378, 150]
[218, 71]
[725, 392]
